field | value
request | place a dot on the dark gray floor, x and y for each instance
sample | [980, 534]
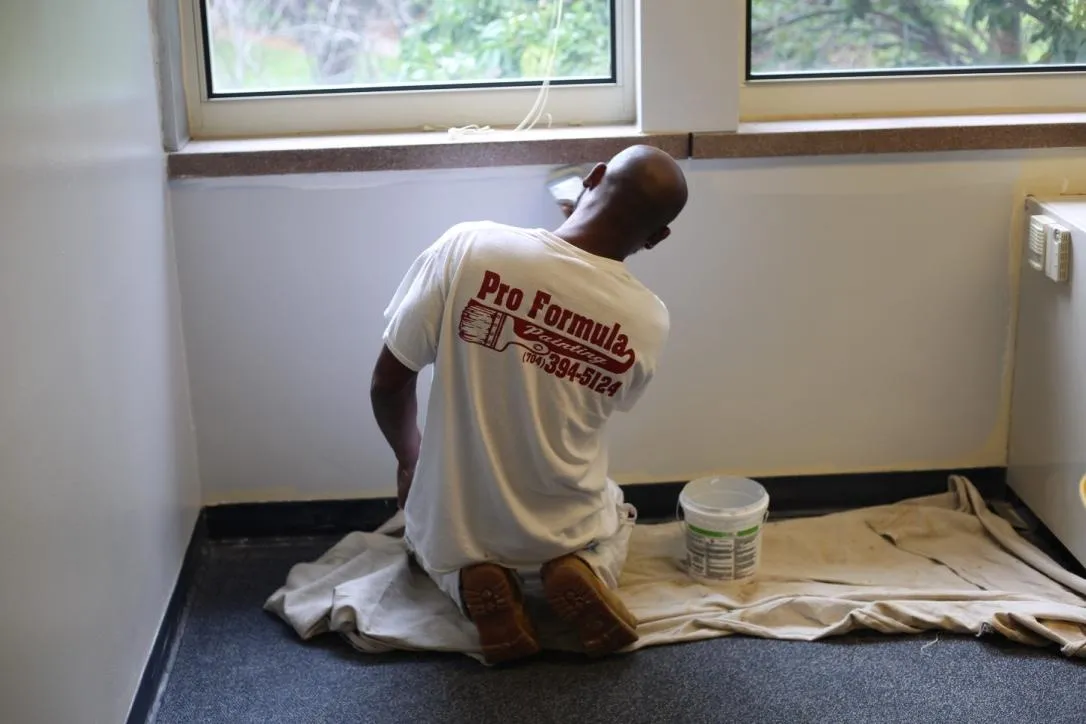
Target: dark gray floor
[237, 664]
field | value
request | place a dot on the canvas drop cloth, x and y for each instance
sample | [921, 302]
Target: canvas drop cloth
[941, 563]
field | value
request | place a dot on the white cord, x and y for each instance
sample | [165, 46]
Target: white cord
[469, 130]
[544, 90]
[540, 104]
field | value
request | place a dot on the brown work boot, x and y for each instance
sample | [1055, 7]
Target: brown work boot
[581, 599]
[495, 605]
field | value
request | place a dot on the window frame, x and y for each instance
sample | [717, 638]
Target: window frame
[832, 95]
[569, 103]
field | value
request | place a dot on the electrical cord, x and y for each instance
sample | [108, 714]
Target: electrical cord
[540, 105]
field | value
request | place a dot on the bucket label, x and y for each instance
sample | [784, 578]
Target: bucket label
[722, 556]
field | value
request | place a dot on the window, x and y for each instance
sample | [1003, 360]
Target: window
[283, 66]
[286, 67]
[797, 38]
[877, 57]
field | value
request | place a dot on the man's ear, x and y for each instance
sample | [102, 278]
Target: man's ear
[592, 180]
[657, 237]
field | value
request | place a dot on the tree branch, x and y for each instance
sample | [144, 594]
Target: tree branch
[795, 20]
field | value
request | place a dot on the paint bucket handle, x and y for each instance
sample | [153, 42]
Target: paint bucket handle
[765, 516]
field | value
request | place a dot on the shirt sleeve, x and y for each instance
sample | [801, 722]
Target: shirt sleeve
[637, 390]
[633, 395]
[413, 318]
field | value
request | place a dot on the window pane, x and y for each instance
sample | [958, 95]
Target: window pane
[789, 37]
[304, 46]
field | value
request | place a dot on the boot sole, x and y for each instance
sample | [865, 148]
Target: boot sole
[494, 604]
[580, 599]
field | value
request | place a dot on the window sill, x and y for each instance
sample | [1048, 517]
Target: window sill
[407, 151]
[893, 135]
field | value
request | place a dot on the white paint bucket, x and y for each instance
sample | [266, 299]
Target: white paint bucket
[723, 519]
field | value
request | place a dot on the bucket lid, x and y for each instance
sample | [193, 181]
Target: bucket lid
[727, 495]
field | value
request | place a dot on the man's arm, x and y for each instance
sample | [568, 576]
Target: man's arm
[395, 406]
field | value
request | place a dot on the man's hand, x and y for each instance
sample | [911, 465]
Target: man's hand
[392, 392]
[405, 473]
[405, 466]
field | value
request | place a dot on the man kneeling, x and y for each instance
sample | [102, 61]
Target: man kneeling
[536, 338]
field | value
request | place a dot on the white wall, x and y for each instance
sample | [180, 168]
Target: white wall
[1048, 432]
[98, 486]
[831, 315]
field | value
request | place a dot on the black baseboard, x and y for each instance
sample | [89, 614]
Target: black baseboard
[655, 501]
[1039, 535]
[155, 670]
[812, 494]
[308, 517]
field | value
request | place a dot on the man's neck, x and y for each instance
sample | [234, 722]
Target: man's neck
[586, 238]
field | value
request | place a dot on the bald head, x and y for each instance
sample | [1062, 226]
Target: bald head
[628, 202]
[646, 186]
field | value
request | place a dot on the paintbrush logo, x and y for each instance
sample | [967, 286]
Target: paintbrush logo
[498, 329]
[483, 325]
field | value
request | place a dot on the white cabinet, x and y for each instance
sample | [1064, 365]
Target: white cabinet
[1047, 456]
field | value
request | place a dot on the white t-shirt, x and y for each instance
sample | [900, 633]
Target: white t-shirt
[535, 343]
